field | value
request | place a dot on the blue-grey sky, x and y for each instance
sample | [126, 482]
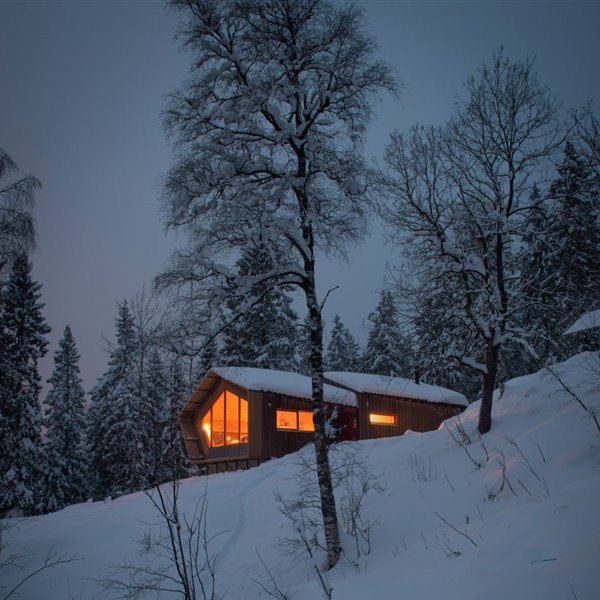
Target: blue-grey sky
[82, 86]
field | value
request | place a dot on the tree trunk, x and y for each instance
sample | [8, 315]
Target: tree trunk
[489, 384]
[328, 509]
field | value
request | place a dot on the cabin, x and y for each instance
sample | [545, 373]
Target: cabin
[390, 406]
[239, 417]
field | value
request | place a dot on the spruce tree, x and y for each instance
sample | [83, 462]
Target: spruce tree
[66, 481]
[22, 345]
[343, 352]
[265, 335]
[174, 460]
[387, 352]
[156, 415]
[561, 275]
[118, 462]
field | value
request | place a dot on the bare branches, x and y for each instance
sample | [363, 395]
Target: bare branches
[180, 558]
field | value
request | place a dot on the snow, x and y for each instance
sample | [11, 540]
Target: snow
[540, 540]
[395, 386]
[282, 382]
[588, 320]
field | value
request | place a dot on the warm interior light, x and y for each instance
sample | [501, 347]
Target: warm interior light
[380, 419]
[226, 422]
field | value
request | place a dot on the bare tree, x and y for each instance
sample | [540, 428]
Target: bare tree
[268, 136]
[180, 560]
[461, 192]
[17, 225]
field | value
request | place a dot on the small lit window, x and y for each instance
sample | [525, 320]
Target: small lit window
[380, 419]
[287, 419]
[295, 420]
[305, 420]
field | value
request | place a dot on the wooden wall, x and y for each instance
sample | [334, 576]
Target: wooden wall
[410, 414]
[278, 442]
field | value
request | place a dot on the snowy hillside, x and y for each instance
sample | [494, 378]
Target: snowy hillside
[513, 516]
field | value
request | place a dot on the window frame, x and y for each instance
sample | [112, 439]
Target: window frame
[384, 424]
[208, 438]
[297, 412]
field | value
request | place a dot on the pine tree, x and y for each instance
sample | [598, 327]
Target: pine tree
[156, 414]
[118, 462]
[561, 275]
[387, 352]
[22, 345]
[265, 335]
[343, 352]
[66, 481]
[174, 459]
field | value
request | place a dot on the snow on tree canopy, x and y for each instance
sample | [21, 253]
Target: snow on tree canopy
[282, 382]
[589, 320]
[395, 386]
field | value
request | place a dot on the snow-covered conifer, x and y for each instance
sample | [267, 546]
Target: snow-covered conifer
[265, 335]
[561, 275]
[155, 414]
[343, 352]
[66, 477]
[117, 459]
[22, 345]
[387, 351]
[174, 459]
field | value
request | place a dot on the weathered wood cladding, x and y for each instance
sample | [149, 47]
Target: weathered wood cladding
[416, 415]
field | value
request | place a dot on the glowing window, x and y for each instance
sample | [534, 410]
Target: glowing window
[226, 422]
[305, 420]
[287, 419]
[381, 419]
[296, 420]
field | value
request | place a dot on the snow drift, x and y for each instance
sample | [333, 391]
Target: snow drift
[511, 515]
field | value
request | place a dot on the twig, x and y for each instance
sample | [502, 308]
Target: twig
[466, 535]
[576, 397]
[278, 593]
[542, 560]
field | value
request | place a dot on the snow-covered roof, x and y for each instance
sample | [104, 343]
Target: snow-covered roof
[282, 382]
[395, 386]
[588, 320]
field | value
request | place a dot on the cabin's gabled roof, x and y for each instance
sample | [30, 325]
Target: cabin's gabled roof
[395, 386]
[282, 382]
[264, 380]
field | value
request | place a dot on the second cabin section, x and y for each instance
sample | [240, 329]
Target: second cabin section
[242, 416]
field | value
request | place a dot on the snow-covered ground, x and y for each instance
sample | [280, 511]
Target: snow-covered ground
[444, 525]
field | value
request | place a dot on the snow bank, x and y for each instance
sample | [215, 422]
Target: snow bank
[513, 514]
[396, 386]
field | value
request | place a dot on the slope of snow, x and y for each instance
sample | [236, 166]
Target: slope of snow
[514, 514]
[396, 386]
[282, 382]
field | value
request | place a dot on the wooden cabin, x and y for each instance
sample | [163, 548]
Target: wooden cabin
[390, 406]
[239, 417]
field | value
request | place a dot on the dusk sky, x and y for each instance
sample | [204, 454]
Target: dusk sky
[82, 87]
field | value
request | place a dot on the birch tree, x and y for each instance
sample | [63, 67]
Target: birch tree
[17, 224]
[461, 192]
[268, 133]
